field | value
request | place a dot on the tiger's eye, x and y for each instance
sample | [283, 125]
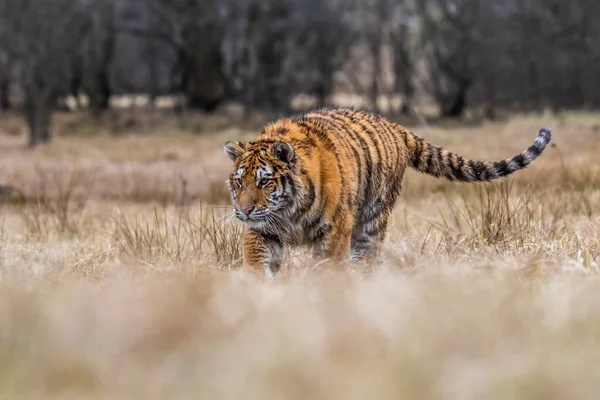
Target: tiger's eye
[263, 181]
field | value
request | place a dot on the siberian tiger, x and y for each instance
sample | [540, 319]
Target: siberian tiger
[330, 178]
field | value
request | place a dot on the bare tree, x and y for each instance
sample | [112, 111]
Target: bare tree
[98, 52]
[42, 37]
[319, 42]
[255, 51]
[4, 93]
[5, 68]
[385, 51]
[511, 54]
[405, 51]
[536, 54]
[450, 39]
[371, 20]
[275, 50]
[567, 34]
[476, 54]
[194, 29]
[4, 84]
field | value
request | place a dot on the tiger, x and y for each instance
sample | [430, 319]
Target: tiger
[329, 179]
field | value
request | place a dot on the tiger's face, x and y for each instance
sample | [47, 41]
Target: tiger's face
[263, 183]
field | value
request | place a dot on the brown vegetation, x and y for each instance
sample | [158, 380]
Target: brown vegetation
[118, 276]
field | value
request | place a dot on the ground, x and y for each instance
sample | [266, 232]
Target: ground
[119, 274]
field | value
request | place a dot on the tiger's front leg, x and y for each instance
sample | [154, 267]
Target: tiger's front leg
[263, 254]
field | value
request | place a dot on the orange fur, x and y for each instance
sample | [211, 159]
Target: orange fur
[330, 179]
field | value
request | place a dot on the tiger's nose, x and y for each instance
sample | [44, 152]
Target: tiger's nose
[247, 210]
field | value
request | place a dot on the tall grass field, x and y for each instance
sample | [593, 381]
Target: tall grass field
[120, 278]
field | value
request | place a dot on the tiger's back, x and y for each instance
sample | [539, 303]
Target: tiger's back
[370, 155]
[330, 179]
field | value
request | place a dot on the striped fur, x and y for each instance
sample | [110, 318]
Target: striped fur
[330, 179]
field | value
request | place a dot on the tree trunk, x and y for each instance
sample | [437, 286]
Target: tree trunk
[100, 97]
[45, 119]
[31, 117]
[4, 94]
[203, 81]
[453, 103]
[406, 108]
[323, 92]
[38, 113]
[375, 89]
[456, 106]
[408, 92]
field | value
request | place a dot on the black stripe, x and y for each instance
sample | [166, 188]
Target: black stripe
[293, 187]
[533, 151]
[271, 237]
[502, 168]
[338, 210]
[283, 182]
[396, 139]
[265, 143]
[404, 136]
[311, 194]
[462, 176]
[429, 162]
[307, 144]
[456, 172]
[374, 177]
[519, 160]
[332, 124]
[363, 186]
[381, 225]
[343, 126]
[321, 134]
[366, 218]
[479, 169]
[391, 145]
[380, 122]
[320, 233]
[416, 154]
[439, 159]
[317, 219]
[375, 143]
[314, 222]
[381, 136]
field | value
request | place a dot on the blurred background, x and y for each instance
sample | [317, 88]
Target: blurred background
[451, 58]
[119, 254]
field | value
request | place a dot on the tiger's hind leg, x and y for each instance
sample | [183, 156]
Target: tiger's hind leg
[333, 240]
[369, 234]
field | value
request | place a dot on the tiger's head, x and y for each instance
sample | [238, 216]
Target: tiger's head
[264, 184]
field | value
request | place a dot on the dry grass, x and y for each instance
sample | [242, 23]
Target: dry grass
[119, 278]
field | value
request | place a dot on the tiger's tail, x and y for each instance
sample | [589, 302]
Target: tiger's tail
[440, 163]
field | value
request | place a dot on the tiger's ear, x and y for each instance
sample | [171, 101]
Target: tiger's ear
[234, 150]
[284, 152]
